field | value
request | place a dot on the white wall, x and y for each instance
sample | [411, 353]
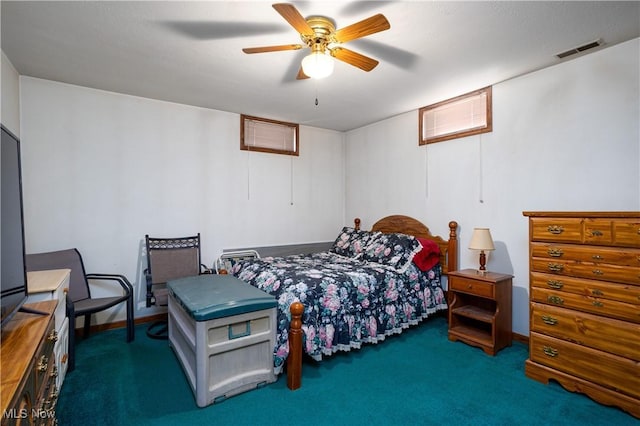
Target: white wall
[10, 94]
[564, 138]
[102, 169]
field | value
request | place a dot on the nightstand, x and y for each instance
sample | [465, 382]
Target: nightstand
[480, 309]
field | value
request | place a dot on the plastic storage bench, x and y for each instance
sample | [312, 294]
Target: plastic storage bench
[223, 333]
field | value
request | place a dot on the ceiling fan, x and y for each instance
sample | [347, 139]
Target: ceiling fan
[319, 34]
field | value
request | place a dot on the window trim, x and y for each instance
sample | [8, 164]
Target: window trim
[488, 127]
[294, 126]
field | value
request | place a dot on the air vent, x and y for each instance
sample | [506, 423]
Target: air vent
[579, 49]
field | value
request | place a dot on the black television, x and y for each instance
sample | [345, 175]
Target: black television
[13, 284]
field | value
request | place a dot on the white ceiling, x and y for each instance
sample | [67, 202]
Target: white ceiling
[190, 52]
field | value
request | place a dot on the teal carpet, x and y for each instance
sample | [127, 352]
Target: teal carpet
[416, 378]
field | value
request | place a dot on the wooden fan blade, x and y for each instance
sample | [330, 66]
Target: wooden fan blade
[301, 75]
[293, 17]
[272, 48]
[363, 28]
[353, 58]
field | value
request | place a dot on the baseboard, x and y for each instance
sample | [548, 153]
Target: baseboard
[152, 318]
[120, 324]
[520, 338]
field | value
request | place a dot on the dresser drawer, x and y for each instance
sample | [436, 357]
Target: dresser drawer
[474, 287]
[61, 353]
[593, 254]
[597, 231]
[589, 270]
[620, 232]
[626, 232]
[45, 358]
[612, 371]
[594, 305]
[606, 334]
[556, 229]
[601, 289]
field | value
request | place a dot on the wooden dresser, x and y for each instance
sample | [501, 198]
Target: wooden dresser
[54, 285]
[584, 291]
[29, 394]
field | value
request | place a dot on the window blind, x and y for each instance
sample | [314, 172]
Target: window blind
[465, 114]
[259, 135]
[458, 117]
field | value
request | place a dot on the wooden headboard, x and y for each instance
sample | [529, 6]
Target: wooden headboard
[410, 226]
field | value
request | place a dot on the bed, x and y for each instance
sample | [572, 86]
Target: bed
[369, 285]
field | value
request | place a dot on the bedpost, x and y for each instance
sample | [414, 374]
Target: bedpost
[452, 250]
[356, 222]
[294, 360]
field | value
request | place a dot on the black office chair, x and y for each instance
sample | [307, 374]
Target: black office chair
[79, 291]
[169, 259]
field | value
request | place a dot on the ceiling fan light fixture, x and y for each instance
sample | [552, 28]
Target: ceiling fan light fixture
[317, 65]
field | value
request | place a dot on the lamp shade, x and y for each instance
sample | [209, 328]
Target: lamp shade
[317, 65]
[481, 239]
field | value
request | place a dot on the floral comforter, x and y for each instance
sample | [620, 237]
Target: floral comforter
[347, 301]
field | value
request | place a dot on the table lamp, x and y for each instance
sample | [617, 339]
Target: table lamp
[481, 240]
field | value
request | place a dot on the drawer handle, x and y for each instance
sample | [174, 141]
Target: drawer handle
[555, 229]
[597, 257]
[51, 401]
[598, 304]
[54, 394]
[555, 284]
[555, 252]
[555, 267]
[597, 292]
[596, 233]
[549, 320]
[43, 364]
[555, 300]
[597, 272]
[549, 351]
[53, 336]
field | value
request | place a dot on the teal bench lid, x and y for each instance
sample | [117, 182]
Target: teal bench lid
[212, 296]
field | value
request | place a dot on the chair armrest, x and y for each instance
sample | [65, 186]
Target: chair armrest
[205, 270]
[121, 279]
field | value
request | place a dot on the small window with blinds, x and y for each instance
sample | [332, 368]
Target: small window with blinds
[465, 115]
[261, 134]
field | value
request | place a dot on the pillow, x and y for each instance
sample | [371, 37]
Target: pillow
[351, 242]
[394, 250]
[429, 256]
